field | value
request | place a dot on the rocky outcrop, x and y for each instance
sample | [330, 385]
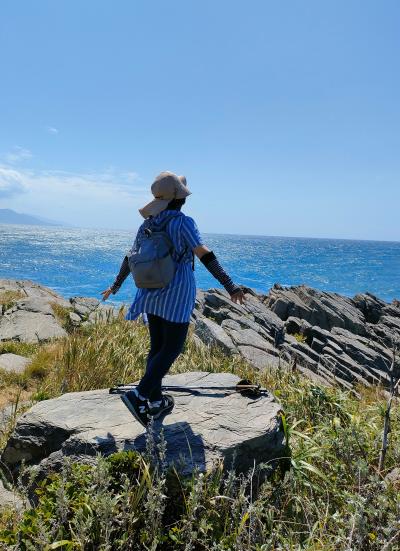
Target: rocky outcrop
[33, 318]
[205, 426]
[330, 338]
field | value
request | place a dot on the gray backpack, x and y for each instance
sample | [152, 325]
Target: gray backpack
[151, 261]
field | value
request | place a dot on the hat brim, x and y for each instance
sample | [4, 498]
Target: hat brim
[183, 192]
[154, 207]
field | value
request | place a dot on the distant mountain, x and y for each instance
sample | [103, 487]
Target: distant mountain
[8, 216]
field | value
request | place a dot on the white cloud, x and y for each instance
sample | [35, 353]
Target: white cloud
[11, 182]
[17, 154]
[108, 199]
[52, 130]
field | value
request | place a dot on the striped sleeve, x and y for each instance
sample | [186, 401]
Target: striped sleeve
[190, 233]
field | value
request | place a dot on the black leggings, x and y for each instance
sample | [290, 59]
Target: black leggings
[167, 339]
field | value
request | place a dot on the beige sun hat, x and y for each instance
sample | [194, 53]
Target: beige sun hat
[166, 187]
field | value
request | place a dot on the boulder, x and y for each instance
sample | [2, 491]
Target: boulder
[30, 327]
[14, 363]
[205, 426]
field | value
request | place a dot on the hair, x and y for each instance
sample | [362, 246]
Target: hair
[176, 204]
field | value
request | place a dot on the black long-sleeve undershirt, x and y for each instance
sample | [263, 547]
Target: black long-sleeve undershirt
[123, 273]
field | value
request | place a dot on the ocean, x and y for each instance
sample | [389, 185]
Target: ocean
[84, 262]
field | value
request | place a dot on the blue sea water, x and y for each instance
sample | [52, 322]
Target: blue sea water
[84, 262]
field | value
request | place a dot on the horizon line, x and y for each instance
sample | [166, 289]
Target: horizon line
[70, 226]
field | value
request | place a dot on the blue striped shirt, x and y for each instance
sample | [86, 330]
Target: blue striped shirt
[176, 301]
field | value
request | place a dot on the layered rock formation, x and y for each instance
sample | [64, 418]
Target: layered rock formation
[328, 337]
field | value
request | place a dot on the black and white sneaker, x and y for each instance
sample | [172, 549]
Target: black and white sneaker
[138, 407]
[166, 406]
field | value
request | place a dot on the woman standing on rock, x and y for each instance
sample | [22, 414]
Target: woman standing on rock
[168, 308]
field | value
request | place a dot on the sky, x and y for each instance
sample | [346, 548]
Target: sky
[284, 116]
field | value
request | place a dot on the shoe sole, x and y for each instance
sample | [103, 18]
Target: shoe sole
[132, 410]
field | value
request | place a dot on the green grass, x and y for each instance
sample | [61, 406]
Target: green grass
[332, 498]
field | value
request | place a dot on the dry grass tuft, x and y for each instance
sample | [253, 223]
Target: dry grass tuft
[9, 298]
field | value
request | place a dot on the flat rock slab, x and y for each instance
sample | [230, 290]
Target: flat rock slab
[30, 327]
[14, 363]
[204, 427]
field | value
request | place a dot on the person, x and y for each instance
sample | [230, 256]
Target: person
[168, 310]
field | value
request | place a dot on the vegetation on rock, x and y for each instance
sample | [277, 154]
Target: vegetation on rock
[9, 298]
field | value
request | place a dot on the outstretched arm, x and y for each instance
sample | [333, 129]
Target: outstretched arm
[122, 275]
[210, 261]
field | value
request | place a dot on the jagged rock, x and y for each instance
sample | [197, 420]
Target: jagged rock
[212, 334]
[370, 306]
[393, 325]
[247, 337]
[383, 334]
[74, 318]
[258, 358]
[296, 325]
[203, 427]
[263, 315]
[84, 306]
[317, 345]
[9, 499]
[327, 310]
[363, 351]
[14, 363]
[342, 347]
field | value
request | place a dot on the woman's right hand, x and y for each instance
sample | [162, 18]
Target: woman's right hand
[106, 293]
[238, 297]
